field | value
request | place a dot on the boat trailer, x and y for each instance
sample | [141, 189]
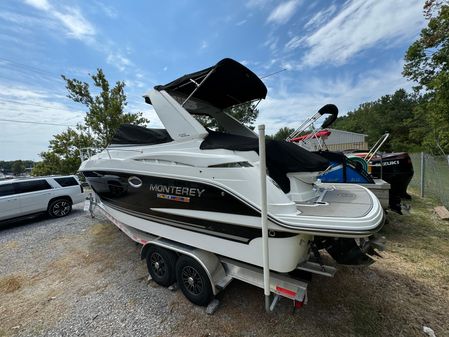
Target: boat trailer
[221, 270]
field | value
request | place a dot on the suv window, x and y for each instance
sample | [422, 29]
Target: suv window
[7, 189]
[68, 181]
[32, 186]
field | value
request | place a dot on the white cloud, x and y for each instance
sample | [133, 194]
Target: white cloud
[138, 105]
[39, 4]
[257, 3]
[320, 17]
[118, 60]
[108, 10]
[286, 107]
[20, 92]
[295, 42]
[26, 141]
[271, 42]
[362, 24]
[135, 84]
[24, 24]
[77, 26]
[283, 12]
[204, 44]
[71, 18]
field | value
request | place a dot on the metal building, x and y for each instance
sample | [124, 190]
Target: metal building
[340, 140]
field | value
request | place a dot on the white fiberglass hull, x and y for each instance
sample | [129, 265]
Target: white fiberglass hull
[285, 253]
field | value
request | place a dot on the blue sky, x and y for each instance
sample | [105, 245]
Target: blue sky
[342, 52]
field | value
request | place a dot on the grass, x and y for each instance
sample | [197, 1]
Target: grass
[402, 292]
[421, 241]
[436, 177]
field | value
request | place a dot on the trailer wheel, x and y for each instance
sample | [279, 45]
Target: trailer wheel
[193, 281]
[161, 264]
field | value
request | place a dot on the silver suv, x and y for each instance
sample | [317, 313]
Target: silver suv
[52, 195]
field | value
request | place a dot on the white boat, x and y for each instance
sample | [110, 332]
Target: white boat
[201, 187]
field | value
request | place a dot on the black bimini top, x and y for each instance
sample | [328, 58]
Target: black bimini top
[282, 157]
[228, 84]
[134, 134]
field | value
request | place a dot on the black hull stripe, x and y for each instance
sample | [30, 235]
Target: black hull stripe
[178, 224]
[234, 204]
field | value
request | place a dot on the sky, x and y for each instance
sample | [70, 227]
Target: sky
[341, 52]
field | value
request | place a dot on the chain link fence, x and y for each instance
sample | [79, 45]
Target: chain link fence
[435, 178]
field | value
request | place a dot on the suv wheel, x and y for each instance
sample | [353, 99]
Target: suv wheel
[59, 208]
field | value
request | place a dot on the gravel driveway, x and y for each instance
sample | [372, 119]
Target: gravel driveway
[78, 276]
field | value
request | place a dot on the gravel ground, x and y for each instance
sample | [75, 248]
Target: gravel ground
[78, 276]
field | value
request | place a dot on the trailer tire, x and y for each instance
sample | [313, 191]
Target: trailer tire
[161, 264]
[193, 281]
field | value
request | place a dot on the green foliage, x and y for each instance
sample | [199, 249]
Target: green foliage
[392, 114]
[106, 110]
[18, 167]
[105, 114]
[63, 156]
[245, 113]
[282, 133]
[427, 63]
[15, 166]
[418, 121]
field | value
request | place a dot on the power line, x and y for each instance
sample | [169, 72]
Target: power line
[26, 103]
[276, 72]
[28, 122]
[31, 68]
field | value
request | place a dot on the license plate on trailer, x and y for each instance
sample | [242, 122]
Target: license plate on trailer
[86, 205]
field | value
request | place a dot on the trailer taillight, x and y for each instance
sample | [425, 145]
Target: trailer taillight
[286, 292]
[298, 304]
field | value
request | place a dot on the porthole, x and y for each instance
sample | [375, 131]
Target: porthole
[135, 182]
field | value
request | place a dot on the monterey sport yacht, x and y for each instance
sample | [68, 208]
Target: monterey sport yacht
[200, 186]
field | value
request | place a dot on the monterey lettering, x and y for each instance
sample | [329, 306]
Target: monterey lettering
[186, 191]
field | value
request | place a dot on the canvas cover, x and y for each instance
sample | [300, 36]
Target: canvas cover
[282, 157]
[229, 84]
[134, 134]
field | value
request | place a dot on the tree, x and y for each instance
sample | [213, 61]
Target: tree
[427, 63]
[105, 114]
[245, 113]
[106, 110]
[391, 113]
[6, 166]
[18, 167]
[282, 133]
[63, 156]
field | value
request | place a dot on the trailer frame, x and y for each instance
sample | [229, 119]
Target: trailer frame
[222, 270]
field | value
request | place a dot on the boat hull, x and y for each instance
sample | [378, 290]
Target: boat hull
[285, 252]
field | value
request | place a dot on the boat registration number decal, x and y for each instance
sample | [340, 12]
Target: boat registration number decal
[173, 197]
